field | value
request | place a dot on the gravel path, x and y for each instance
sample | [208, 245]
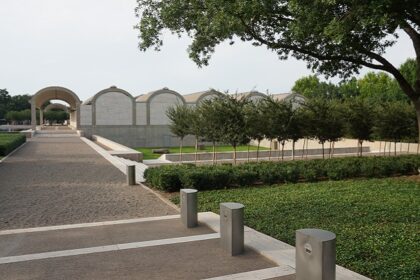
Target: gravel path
[53, 181]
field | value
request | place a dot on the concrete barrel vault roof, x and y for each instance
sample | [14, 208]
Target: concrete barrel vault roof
[92, 99]
[144, 98]
[196, 97]
[251, 94]
[55, 92]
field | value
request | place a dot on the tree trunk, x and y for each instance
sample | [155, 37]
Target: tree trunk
[303, 148]
[380, 146]
[258, 150]
[248, 152]
[384, 148]
[361, 148]
[180, 150]
[323, 152]
[307, 148]
[333, 147]
[234, 155]
[401, 147]
[196, 148]
[390, 148]
[293, 149]
[214, 153]
[269, 154]
[408, 147]
[282, 150]
[395, 148]
[329, 150]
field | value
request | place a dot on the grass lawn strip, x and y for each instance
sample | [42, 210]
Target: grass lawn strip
[376, 221]
[148, 152]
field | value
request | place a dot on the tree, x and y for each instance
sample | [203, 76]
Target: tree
[4, 102]
[312, 87]
[254, 122]
[231, 111]
[196, 126]
[325, 121]
[179, 117]
[333, 37]
[360, 120]
[395, 122]
[211, 123]
[379, 87]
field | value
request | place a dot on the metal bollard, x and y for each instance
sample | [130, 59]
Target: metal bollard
[189, 207]
[131, 175]
[232, 227]
[315, 254]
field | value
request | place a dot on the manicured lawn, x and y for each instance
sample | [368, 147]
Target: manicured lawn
[376, 221]
[148, 152]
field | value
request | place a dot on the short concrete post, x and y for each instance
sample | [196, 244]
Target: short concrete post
[232, 227]
[189, 207]
[131, 175]
[315, 254]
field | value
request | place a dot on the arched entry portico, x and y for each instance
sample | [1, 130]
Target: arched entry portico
[60, 93]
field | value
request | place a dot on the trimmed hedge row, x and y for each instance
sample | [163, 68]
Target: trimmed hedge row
[10, 141]
[174, 177]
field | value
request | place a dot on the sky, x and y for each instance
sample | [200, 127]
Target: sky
[90, 45]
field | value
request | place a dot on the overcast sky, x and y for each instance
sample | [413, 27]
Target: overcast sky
[89, 45]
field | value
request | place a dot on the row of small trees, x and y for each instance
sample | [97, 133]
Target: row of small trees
[24, 116]
[236, 121]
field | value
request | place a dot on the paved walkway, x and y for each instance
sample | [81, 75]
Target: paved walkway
[61, 180]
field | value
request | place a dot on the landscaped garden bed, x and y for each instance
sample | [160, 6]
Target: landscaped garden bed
[174, 177]
[376, 220]
[10, 141]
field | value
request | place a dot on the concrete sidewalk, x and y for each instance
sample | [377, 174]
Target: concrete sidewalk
[132, 249]
[61, 180]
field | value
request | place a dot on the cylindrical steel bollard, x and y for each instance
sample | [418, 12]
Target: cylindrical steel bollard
[189, 207]
[315, 254]
[232, 227]
[131, 175]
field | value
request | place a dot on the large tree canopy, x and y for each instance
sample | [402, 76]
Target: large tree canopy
[334, 37]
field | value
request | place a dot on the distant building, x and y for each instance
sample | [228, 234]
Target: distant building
[114, 113]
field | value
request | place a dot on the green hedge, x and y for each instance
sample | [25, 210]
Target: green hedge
[10, 141]
[174, 177]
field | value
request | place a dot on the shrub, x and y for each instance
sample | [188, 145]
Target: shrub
[10, 141]
[174, 177]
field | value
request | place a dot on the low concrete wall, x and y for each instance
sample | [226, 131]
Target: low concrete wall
[262, 154]
[117, 149]
[137, 135]
[28, 133]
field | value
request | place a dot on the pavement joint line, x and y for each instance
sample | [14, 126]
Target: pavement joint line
[107, 248]
[86, 225]
[261, 274]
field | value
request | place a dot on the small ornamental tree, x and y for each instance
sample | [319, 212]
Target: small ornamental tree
[296, 129]
[196, 126]
[395, 122]
[325, 121]
[269, 111]
[212, 122]
[179, 123]
[254, 123]
[231, 111]
[360, 118]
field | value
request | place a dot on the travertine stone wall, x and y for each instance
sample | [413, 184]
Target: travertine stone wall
[114, 108]
[159, 104]
[141, 113]
[85, 114]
